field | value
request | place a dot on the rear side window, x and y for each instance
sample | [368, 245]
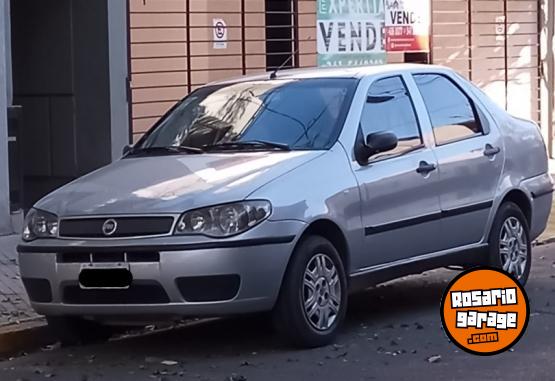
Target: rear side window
[452, 113]
[389, 108]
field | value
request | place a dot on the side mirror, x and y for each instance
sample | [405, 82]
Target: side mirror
[379, 142]
[126, 149]
[376, 143]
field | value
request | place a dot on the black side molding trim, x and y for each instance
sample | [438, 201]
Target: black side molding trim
[466, 209]
[542, 193]
[427, 218]
[402, 224]
[159, 248]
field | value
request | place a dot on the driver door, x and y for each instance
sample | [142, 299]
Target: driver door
[400, 202]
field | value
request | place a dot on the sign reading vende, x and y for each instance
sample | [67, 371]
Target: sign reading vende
[407, 25]
[350, 32]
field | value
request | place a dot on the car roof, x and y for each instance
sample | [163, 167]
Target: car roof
[335, 72]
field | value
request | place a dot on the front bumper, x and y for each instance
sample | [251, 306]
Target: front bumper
[258, 260]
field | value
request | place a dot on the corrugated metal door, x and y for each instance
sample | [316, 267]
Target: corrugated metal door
[495, 44]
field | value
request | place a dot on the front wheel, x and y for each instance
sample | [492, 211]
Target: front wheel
[510, 248]
[313, 297]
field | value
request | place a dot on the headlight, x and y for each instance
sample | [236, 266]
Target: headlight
[223, 220]
[40, 224]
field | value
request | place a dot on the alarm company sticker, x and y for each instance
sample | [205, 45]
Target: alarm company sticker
[485, 311]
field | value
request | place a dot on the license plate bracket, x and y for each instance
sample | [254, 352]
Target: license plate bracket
[105, 277]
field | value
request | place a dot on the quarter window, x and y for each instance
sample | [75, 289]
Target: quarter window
[452, 113]
[389, 108]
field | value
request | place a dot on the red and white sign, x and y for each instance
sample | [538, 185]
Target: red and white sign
[407, 25]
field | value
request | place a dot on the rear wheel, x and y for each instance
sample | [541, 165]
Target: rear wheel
[73, 330]
[510, 248]
[313, 297]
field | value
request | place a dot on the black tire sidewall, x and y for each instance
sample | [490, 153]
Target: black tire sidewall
[506, 210]
[290, 315]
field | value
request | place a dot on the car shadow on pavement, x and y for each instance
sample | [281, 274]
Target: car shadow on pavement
[400, 299]
[398, 303]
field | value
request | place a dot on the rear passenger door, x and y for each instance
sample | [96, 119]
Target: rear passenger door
[470, 155]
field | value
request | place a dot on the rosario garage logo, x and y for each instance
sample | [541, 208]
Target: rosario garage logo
[485, 311]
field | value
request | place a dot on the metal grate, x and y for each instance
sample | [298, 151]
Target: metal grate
[124, 227]
[281, 34]
[116, 257]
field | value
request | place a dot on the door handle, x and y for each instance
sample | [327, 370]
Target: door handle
[491, 151]
[424, 168]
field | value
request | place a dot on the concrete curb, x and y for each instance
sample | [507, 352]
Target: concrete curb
[16, 338]
[545, 241]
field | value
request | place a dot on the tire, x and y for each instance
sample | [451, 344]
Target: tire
[72, 330]
[510, 248]
[305, 328]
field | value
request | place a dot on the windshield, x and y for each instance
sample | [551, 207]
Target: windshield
[303, 114]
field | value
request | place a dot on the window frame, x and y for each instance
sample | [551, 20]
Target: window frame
[475, 109]
[360, 136]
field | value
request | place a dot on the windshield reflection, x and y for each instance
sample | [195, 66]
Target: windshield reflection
[298, 114]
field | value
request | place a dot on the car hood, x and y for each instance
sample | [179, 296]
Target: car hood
[171, 184]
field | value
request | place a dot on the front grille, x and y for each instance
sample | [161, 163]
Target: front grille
[140, 292]
[116, 257]
[125, 227]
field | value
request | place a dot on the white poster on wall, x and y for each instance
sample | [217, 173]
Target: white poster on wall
[350, 33]
[220, 34]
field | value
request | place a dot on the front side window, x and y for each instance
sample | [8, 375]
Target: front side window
[303, 114]
[451, 112]
[389, 108]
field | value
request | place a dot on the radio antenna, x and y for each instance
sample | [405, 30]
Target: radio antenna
[273, 75]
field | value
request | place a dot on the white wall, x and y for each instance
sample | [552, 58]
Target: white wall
[5, 220]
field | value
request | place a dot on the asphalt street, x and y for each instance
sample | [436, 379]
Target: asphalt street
[392, 332]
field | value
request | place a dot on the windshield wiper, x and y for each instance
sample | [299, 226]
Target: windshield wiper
[249, 144]
[167, 150]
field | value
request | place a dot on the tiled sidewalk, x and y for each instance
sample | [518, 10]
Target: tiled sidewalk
[14, 305]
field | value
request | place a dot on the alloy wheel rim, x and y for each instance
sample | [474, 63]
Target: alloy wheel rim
[513, 247]
[321, 292]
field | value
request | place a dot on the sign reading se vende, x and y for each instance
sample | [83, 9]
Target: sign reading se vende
[407, 24]
[350, 32]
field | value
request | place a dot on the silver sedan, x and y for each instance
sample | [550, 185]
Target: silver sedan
[285, 193]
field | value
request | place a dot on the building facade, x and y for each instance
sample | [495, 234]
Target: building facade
[63, 99]
[91, 76]
[495, 43]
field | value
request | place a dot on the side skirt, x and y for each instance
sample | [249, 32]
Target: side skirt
[466, 256]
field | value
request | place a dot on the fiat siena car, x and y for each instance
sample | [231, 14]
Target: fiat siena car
[284, 193]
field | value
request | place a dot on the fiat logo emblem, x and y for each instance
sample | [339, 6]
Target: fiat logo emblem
[109, 227]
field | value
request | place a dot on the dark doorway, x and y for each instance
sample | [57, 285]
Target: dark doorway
[61, 80]
[281, 34]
